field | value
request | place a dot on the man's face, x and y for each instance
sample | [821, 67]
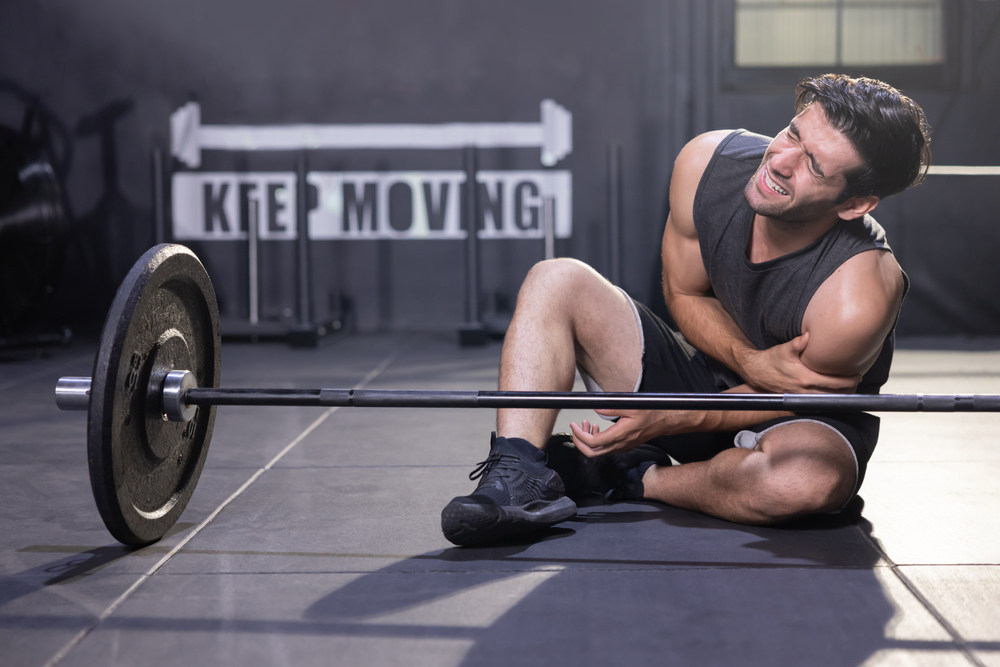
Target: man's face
[802, 172]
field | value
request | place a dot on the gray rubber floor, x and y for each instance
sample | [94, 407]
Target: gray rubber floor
[314, 538]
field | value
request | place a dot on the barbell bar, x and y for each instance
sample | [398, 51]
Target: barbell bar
[179, 396]
[152, 397]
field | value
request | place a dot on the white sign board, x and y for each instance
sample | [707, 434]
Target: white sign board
[369, 205]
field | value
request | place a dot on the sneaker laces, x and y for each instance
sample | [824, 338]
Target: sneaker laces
[484, 467]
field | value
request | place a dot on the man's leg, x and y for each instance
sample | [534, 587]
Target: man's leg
[566, 313]
[797, 468]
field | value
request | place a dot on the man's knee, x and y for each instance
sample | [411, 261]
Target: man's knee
[810, 470]
[557, 281]
[559, 273]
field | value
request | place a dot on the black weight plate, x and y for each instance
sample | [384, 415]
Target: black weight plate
[143, 468]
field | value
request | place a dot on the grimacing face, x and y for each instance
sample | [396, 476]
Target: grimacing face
[803, 170]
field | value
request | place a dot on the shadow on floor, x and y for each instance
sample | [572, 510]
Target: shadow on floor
[806, 593]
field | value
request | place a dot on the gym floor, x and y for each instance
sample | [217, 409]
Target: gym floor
[314, 538]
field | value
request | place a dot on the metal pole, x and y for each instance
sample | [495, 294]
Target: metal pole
[472, 240]
[472, 333]
[302, 247]
[389, 398]
[253, 262]
[73, 393]
[614, 213]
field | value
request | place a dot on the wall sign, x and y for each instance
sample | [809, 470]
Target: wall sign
[368, 205]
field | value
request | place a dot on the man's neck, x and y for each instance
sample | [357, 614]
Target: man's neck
[771, 238]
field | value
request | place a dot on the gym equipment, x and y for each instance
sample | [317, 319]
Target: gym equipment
[143, 467]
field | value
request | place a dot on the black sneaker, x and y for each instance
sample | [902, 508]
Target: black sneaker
[609, 477]
[517, 494]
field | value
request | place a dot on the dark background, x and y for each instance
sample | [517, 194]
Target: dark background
[646, 74]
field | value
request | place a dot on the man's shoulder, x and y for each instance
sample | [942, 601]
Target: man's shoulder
[694, 159]
[698, 152]
[733, 144]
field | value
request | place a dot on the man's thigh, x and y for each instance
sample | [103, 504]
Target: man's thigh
[607, 338]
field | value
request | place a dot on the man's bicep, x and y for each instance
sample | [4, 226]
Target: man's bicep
[844, 353]
[851, 315]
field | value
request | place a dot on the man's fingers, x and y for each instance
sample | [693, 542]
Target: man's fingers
[583, 441]
[591, 441]
[799, 344]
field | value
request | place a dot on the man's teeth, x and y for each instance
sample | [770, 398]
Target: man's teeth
[771, 184]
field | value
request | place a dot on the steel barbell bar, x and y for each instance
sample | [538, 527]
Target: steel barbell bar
[179, 395]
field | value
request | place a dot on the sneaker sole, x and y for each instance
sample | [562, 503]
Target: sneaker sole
[468, 523]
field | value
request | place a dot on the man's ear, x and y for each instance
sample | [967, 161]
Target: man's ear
[855, 207]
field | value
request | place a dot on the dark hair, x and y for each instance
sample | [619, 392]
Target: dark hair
[887, 128]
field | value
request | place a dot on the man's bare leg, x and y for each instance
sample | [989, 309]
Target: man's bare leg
[797, 469]
[566, 313]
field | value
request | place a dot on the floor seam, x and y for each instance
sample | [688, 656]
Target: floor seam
[956, 637]
[542, 568]
[64, 651]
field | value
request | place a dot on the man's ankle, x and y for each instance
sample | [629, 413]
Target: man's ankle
[525, 448]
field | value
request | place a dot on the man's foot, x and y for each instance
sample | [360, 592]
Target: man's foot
[517, 494]
[609, 477]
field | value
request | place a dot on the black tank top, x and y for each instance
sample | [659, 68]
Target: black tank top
[768, 300]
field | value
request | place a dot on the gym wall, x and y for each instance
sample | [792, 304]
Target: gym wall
[646, 74]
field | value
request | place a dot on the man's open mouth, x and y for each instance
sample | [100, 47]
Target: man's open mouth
[771, 184]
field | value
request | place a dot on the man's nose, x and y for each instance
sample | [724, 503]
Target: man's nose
[783, 161]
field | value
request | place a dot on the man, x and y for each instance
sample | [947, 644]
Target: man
[778, 281]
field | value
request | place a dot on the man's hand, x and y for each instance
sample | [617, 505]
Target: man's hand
[633, 428]
[780, 370]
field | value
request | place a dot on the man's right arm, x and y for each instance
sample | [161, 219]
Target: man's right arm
[700, 316]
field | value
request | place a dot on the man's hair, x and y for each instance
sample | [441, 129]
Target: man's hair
[887, 128]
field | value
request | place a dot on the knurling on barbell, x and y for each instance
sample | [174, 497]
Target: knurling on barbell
[151, 400]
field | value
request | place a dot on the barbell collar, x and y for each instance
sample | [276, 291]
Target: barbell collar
[175, 388]
[73, 393]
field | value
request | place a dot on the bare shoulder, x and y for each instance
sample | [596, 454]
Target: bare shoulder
[697, 153]
[688, 169]
[853, 311]
[869, 280]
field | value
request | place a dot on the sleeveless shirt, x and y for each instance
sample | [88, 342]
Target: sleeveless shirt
[768, 299]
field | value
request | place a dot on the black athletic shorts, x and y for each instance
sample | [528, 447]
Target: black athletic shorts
[671, 364]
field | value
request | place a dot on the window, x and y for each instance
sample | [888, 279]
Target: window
[909, 43]
[781, 33]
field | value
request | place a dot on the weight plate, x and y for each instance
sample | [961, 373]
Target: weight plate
[143, 468]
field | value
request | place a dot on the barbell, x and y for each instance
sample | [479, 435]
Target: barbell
[151, 399]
